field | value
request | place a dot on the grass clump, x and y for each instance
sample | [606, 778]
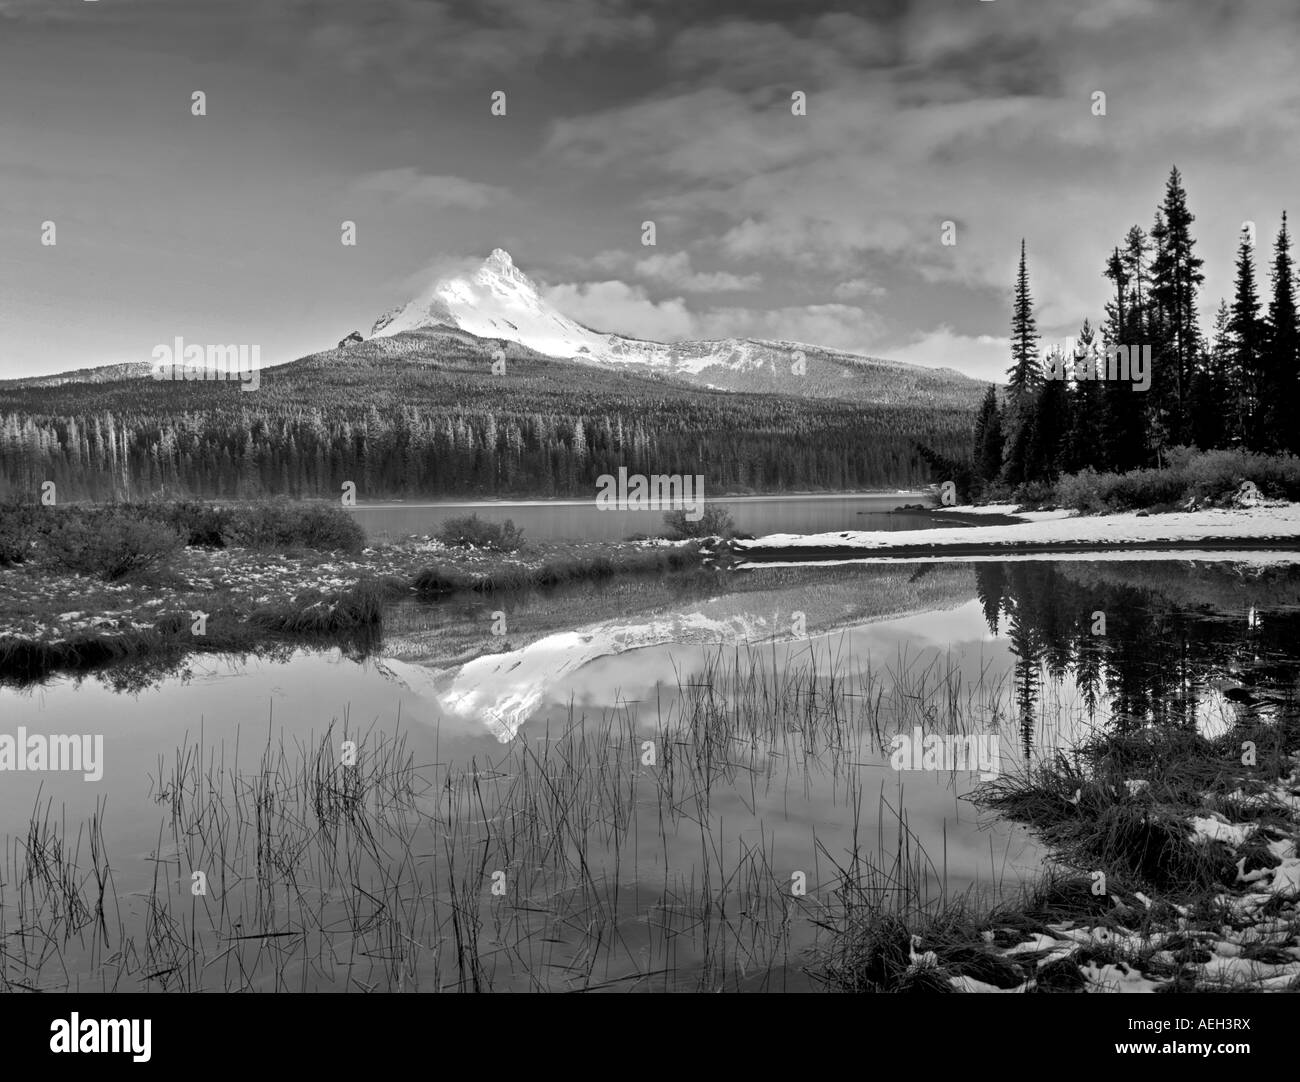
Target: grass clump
[360, 607]
[473, 532]
[714, 522]
[445, 578]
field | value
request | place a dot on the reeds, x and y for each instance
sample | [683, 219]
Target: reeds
[643, 847]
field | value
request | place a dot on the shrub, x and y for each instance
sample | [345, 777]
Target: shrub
[715, 522]
[202, 524]
[473, 532]
[1081, 490]
[1205, 476]
[18, 532]
[1034, 492]
[284, 525]
[110, 544]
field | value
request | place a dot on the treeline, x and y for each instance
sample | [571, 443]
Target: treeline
[444, 431]
[1237, 387]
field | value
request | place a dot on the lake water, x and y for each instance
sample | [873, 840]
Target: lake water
[561, 520]
[640, 785]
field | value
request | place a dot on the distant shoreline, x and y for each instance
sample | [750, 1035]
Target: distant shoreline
[570, 502]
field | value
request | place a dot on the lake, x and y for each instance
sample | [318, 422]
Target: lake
[562, 520]
[644, 784]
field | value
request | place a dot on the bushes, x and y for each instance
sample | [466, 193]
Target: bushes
[715, 522]
[202, 524]
[1207, 477]
[285, 525]
[18, 532]
[119, 539]
[110, 544]
[275, 526]
[473, 532]
[1033, 492]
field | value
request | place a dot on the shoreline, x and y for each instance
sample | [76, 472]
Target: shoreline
[252, 600]
[565, 501]
[990, 549]
[1043, 533]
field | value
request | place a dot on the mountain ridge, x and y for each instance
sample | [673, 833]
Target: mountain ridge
[498, 301]
[497, 305]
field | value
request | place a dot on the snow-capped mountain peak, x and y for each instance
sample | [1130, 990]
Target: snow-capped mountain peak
[496, 300]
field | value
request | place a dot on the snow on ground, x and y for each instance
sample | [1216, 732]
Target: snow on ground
[1064, 528]
[1217, 829]
[1006, 509]
[1245, 557]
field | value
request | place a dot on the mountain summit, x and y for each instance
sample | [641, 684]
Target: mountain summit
[499, 301]
[496, 301]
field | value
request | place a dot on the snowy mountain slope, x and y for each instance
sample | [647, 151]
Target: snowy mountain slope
[499, 301]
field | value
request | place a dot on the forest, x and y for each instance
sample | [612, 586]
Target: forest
[435, 422]
[1236, 387]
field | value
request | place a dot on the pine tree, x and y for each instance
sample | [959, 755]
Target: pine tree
[1176, 276]
[1281, 350]
[1214, 397]
[1246, 332]
[1120, 413]
[1024, 376]
[1084, 442]
[988, 438]
[1136, 275]
[1049, 429]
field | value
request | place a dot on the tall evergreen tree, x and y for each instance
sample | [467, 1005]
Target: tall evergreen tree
[1213, 396]
[1024, 375]
[1049, 429]
[1084, 442]
[988, 438]
[1121, 413]
[1281, 349]
[1137, 272]
[1246, 332]
[1024, 378]
[1176, 277]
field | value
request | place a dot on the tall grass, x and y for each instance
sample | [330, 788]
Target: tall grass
[565, 861]
[379, 875]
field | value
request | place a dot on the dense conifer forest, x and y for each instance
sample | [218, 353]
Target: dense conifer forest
[433, 421]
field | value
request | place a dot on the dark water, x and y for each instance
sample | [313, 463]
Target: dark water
[770, 697]
[561, 520]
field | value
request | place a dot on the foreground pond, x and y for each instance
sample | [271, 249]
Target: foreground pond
[658, 784]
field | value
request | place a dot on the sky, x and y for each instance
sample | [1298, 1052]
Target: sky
[825, 227]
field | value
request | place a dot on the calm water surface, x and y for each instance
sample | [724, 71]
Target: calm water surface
[559, 520]
[641, 771]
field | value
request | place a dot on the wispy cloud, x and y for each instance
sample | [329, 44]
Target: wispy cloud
[409, 184]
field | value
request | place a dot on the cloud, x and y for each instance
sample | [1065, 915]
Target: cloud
[615, 307]
[857, 287]
[980, 114]
[411, 185]
[33, 10]
[982, 356]
[837, 326]
[676, 270]
[423, 42]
